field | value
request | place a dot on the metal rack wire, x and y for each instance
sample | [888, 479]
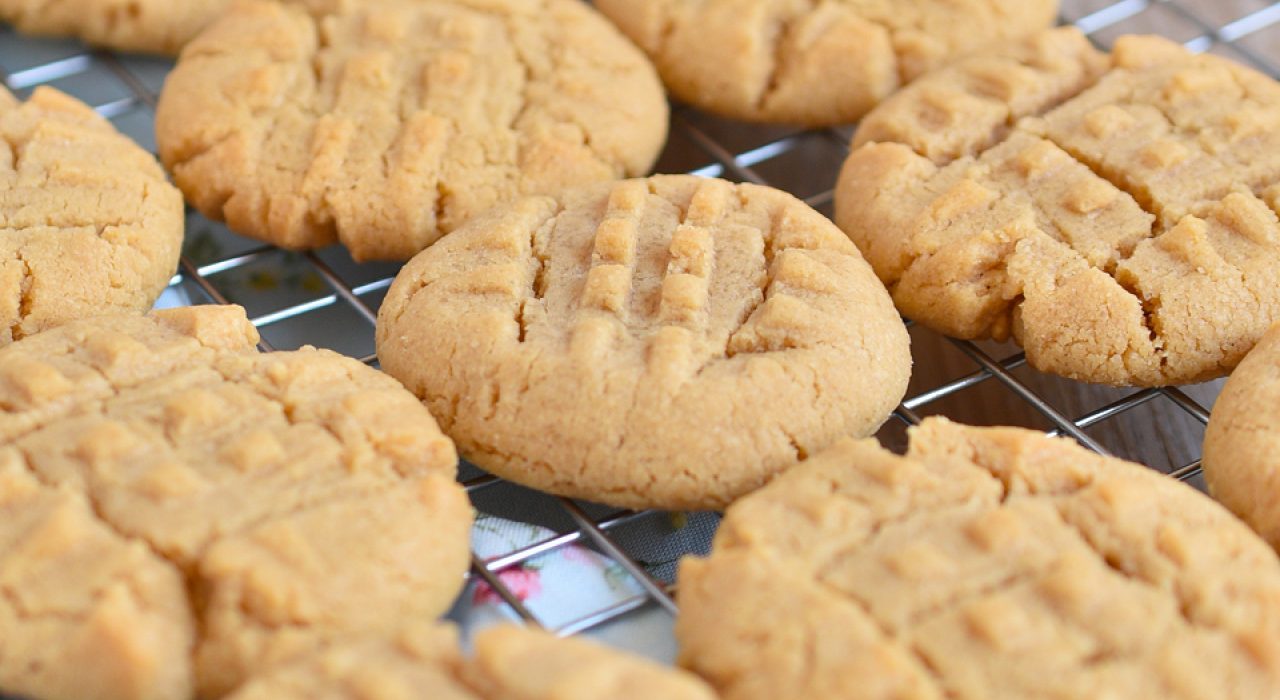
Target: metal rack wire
[335, 292]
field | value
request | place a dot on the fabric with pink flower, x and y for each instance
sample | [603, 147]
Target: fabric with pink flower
[559, 587]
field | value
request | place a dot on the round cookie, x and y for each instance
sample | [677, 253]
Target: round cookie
[88, 223]
[299, 496]
[1241, 462]
[670, 342]
[509, 662]
[387, 123]
[812, 63]
[985, 563]
[1115, 215]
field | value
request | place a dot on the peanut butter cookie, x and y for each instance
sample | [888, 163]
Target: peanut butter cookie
[298, 495]
[509, 663]
[1242, 442]
[671, 342]
[1115, 215]
[147, 26]
[808, 62]
[151, 26]
[985, 563]
[385, 124]
[88, 223]
[84, 611]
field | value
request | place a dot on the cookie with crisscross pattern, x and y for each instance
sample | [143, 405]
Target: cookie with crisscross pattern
[1115, 215]
[812, 62]
[385, 124]
[983, 563]
[671, 342]
[88, 224]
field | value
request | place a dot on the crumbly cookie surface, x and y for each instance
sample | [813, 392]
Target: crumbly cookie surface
[147, 26]
[84, 612]
[151, 26]
[297, 495]
[806, 62]
[985, 563]
[666, 342]
[1242, 443]
[508, 663]
[88, 223]
[385, 124]
[1116, 215]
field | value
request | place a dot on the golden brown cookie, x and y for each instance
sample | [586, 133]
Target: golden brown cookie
[806, 62]
[509, 663]
[985, 563]
[88, 223]
[84, 612]
[300, 494]
[1242, 442]
[388, 123]
[149, 26]
[152, 26]
[1115, 215]
[670, 342]
[420, 661]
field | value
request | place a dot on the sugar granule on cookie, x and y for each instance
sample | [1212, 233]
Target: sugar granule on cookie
[1115, 215]
[388, 123]
[985, 563]
[669, 342]
[181, 511]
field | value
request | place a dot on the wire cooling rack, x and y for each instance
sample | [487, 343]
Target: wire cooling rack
[325, 299]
